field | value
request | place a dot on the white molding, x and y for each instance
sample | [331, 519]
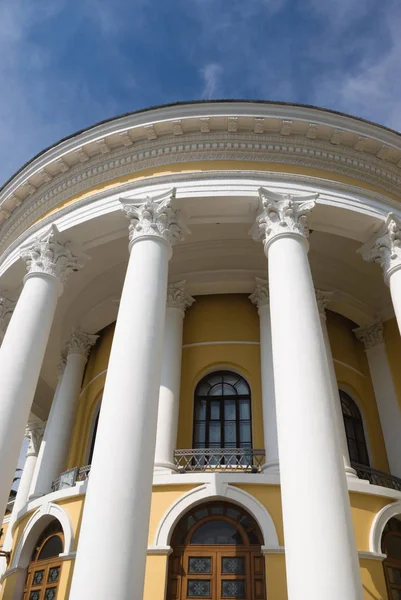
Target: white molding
[215, 488]
[272, 550]
[343, 364]
[220, 343]
[33, 528]
[159, 551]
[11, 572]
[366, 555]
[91, 381]
[379, 522]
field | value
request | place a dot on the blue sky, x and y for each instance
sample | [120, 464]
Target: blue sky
[65, 64]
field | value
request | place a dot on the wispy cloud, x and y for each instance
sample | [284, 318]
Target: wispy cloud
[211, 75]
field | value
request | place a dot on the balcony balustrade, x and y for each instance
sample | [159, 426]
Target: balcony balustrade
[245, 460]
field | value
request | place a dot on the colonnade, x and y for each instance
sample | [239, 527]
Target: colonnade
[300, 397]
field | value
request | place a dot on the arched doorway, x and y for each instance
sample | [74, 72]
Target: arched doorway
[44, 569]
[354, 430]
[391, 546]
[216, 555]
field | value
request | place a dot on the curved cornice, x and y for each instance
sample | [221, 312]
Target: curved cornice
[274, 133]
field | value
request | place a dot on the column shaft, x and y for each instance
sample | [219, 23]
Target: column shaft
[318, 528]
[120, 482]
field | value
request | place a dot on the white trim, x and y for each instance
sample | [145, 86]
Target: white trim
[379, 523]
[366, 555]
[226, 343]
[159, 551]
[213, 489]
[91, 381]
[340, 362]
[35, 525]
[70, 556]
[272, 550]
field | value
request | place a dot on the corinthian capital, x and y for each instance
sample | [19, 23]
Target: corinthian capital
[385, 246]
[282, 214]
[177, 296]
[370, 336]
[260, 295]
[155, 217]
[80, 343]
[323, 298]
[51, 254]
[34, 432]
[6, 310]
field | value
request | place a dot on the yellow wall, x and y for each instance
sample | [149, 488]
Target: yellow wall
[352, 371]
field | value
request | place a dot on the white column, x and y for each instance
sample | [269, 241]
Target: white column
[49, 259]
[120, 483]
[6, 310]
[320, 549]
[34, 433]
[56, 441]
[322, 299]
[386, 396]
[169, 395]
[260, 297]
[384, 248]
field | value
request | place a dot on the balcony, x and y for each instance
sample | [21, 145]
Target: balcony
[376, 477]
[235, 460]
[243, 460]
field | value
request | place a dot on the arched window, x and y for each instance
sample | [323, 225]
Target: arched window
[222, 417]
[216, 554]
[354, 431]
[44, 570]
[391, 546]
[93, 432]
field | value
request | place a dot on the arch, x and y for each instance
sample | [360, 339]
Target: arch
[346, 394]
[379, 523]
[209, 491]
[34, 527]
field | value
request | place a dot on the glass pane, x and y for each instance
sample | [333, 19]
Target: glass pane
[395, 594]
[203, 389]
[242, 388]
[215, 410]
[244, 409]
[198, 588]
[38, 577]
[245, 432]
[217, 510]
[229, 390]
[200, 514]
[230, 433]
[200, 429]
[231, 378]
[394, 575]
[216, 532]
[229, 410]
[53, 547]
[34, 595]
[217, 390]
[50, 593]
[234, 565]
[54, 572]
[199, 564]
[233, 513]
[232, 589]
[215, 378]
[200, 412]
[214, 432]
[393, 546]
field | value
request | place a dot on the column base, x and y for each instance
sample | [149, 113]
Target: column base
[271, 468]
[350, 472]
[164, 468]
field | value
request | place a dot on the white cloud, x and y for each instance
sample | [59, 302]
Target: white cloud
[211, 75]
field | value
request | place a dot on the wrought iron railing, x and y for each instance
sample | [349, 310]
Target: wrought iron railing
[71, 477]
[219, 459]
[377, 477]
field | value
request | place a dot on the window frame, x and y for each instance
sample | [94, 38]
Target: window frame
[357, 418]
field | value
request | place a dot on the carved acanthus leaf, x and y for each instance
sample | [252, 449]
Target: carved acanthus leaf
[80, 343]
[155, 217]
[34, 432]
[370, 336]
[52, 255]
[177, 296]
[385, 246]
[323, 298]
[282, 214]
[260, 295]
